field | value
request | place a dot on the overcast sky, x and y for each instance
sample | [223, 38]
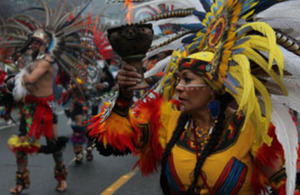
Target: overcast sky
[112, 10]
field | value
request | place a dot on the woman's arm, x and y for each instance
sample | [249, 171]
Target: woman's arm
[115, 134]
[140, 129]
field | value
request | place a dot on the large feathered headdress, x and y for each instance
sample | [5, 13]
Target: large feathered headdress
[62, 26]
[96, 35]
[241, 58]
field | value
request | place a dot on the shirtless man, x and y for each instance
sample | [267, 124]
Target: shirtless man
[37, 116]
[39, 81]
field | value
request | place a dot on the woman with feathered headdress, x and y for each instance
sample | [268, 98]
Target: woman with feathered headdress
[212, 126]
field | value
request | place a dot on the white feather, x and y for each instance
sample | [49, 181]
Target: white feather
[161, 39]
[171, 46]
[159, 67]
[284, 16]
[286, 132]
[19, 90]
[293, 99]
[291, 62]
[183, 20]
[182, 4]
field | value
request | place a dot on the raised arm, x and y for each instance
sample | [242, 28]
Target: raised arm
[115, 134]
[139, 129]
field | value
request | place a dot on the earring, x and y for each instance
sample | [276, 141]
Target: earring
[215, 108]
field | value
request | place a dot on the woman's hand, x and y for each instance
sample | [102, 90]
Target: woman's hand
[129, 80]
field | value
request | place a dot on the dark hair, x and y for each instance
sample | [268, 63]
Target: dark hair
[225, 99]
[176, 134]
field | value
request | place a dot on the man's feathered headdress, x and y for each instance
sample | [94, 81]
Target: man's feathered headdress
[62, 26]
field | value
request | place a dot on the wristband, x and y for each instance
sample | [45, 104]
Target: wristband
[278, 179]
[122, 106]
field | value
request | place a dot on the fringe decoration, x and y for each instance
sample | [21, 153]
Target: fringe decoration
[15, 145]
[19, 91]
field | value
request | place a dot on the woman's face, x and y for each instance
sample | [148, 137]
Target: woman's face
[193, 93]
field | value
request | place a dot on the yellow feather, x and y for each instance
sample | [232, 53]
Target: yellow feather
[261, 43]
[267, 31]
[251, 106]
[244, 66]
[165, 87]
[15, 142]
[104, 141]
[259, 60]
[113, 126]
[235, 72]
[267, 107]
[246, 16]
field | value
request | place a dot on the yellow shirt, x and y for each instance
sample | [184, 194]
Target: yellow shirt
[150, 126]
[235, 156]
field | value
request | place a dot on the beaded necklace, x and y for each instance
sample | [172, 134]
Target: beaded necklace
[198, 136]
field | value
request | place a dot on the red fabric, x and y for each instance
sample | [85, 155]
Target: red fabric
[42, 123]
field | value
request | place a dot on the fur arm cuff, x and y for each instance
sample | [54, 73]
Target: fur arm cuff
[19, 91]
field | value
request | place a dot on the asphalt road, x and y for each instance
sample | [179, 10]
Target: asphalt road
[102, 176]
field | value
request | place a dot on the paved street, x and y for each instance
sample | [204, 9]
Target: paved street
[91, 178]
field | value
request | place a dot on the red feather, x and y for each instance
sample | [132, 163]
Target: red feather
[103, 46]
[265, 157]
[115, 131]
[150, 157]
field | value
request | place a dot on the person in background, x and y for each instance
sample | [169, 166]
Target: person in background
[37, 116]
